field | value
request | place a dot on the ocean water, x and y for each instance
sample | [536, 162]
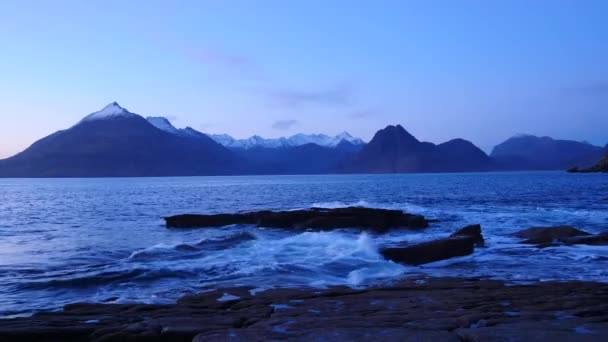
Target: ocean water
[104, 240]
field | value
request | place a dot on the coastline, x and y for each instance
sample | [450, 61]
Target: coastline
[442, 309]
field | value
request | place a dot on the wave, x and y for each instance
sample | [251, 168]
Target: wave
[105, 278]
[204, 245]
[406, 207]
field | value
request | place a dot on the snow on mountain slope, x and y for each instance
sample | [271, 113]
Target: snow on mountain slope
[162, 124]
[113, 110]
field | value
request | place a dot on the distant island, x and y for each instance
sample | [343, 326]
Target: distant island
[114, 142]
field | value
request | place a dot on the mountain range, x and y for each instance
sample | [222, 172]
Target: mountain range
[114, 142]
[257, 141]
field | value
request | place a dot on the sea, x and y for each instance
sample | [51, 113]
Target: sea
[104, 240]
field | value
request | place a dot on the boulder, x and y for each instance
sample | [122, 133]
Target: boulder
[378, 220]
[460, 243]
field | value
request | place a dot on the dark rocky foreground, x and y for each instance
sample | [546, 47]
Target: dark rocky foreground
[378, 220]
[433, 309]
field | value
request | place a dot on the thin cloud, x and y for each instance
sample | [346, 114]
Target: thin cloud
[237, 64]
[363, 114]
[283, 125]
[208, 56]
[341, 95]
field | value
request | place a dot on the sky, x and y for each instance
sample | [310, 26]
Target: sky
[479, 70]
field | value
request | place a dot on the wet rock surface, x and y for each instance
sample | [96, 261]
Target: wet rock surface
[550, 236]
[460, 243]
[472, 231]
[378, 220]
[431, 309]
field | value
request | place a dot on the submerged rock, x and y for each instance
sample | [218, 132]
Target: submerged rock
[549, 236]
[460, 243]
[538, 235]
[560, 235]
[439, 309]
[379, 220]
[598, 239]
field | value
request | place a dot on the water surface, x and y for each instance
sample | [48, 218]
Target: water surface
[104, 240]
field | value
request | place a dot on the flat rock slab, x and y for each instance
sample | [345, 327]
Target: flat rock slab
[378, 220]
[430, 251]
[460, 243]
[422, 309]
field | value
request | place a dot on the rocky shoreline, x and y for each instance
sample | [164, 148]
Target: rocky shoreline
[600, 167]
[422, 309]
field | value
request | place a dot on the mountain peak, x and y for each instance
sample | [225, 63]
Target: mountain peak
[113, 110]
[396, 134]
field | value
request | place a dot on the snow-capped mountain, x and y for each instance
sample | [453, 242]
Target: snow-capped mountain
[295, 140]
[114, 142]
[256, 140]
[323, 140]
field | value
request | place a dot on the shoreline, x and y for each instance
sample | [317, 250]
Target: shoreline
[443, 309]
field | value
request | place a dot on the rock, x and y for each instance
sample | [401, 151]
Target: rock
[378, 220]
[430, 251]
[460, 243]
[473, 231]
[436, 309]
[542, 330]
[333, 334]
[547, 235]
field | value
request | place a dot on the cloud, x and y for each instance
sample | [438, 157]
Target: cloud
[284, 124]
[340, 95]
[363, 114]
[208, 56]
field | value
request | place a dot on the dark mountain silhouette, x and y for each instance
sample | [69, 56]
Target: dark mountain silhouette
[114, 142]
[394, 150]
[528, 152]
[303, 159]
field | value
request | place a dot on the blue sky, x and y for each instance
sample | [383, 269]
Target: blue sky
[481, 70]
